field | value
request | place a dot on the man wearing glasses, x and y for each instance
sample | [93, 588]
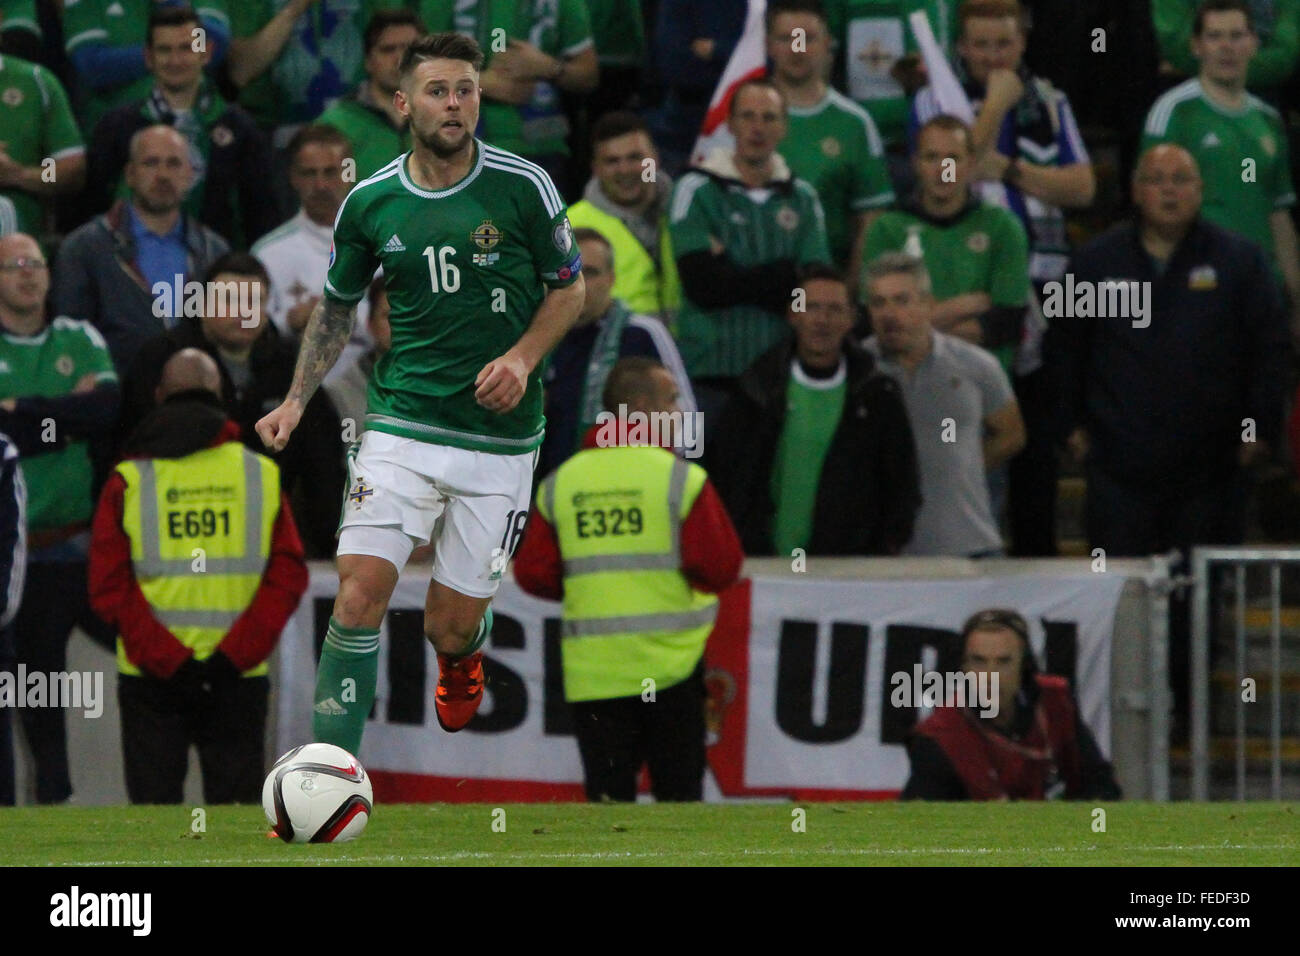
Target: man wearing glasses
[58, 390]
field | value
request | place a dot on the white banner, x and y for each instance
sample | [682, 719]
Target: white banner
[840, 739]
[813, 675]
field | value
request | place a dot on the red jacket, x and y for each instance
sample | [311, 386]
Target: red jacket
[711, 553]
[116, 596]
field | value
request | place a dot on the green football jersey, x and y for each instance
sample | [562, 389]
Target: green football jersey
[784, 221]
[120, 24]
[465, 269]
[375, 143]
[20, 15]
[871, 35]
[37, 123]
[559, 28]
[983, 249]
[813, 408]
[1221, 142]
[835, 147]
[49, 365]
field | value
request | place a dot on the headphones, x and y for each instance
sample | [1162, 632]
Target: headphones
[997, 617]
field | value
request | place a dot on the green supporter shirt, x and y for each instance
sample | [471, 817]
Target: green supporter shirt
[375, 142]
[871, 35]
[835, 147]
[121, 24]
[20, 15]
[1221, 141]
[1279, 39]
[36, 123]
[49, 365]
[559, 28]
[784, 221]
[618, 28]
[812, 414]
[466, 269]
[322, 60]
[982, 249]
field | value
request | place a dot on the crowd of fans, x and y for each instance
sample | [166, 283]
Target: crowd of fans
[863, 294]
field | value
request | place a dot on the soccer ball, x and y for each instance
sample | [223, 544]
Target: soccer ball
[317, 793]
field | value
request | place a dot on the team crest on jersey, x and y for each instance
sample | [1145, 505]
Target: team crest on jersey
[64, 365]
[12, 96]
[485, 238]
[1202, 279]
[360, 493]
[977, 242]
[562, 236]
[222, 136]
[788, 218]
[830, 147]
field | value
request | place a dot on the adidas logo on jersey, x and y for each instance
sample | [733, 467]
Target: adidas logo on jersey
[330, 708]
[1210, 139]
[394, 245]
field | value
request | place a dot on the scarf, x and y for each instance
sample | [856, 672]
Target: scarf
[604, 353]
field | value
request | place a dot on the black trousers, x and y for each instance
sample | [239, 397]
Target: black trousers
[616, 737]
[54, 602]
[7, 664]
[160, 720]
[1133, 519]
[1032, 473]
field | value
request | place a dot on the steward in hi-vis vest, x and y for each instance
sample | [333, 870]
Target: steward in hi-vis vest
[636, 543]
[196, 561]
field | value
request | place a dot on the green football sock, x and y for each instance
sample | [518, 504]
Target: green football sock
[345, 685]
[484, 630]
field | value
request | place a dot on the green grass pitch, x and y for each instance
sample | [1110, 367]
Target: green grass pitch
[868, 834]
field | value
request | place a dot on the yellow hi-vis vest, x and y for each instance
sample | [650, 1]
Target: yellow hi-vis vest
[640, 283]
[200, 530]
[629, 613]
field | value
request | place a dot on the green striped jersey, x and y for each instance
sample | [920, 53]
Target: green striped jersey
[465, 269]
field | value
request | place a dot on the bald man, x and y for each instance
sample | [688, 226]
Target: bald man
[184, 681]
[125, 271]
[1169, 401]
[187, 371]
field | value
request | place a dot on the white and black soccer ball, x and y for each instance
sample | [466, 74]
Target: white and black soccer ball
[317, 793]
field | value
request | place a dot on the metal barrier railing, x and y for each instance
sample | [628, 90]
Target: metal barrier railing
[1203, 581]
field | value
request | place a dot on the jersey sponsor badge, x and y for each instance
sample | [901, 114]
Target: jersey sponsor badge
[12, 96]
[562, 236]
[1202, 279]
[788, 218]
[978, 242]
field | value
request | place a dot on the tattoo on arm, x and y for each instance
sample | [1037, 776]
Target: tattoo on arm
[327, 331]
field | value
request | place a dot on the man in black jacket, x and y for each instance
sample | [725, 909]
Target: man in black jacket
[1171, 400]
[256, 371]
[815, 451]
[231, 193]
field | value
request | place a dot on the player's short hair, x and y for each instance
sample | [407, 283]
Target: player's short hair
[238, 264]
[1222, 6]
[441, 46]
[899, 264]
[999, 619]
[950, 123]
[628, 381]
[759, 81]
[778, 7]
[383, 19]
[587, 234]
[169, 17]
[991, 10]
[812, 271]
[317, 134]
[617, 123]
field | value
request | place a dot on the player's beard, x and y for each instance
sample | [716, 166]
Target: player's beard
[441, 149]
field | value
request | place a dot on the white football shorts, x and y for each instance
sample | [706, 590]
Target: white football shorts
[403, 493]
